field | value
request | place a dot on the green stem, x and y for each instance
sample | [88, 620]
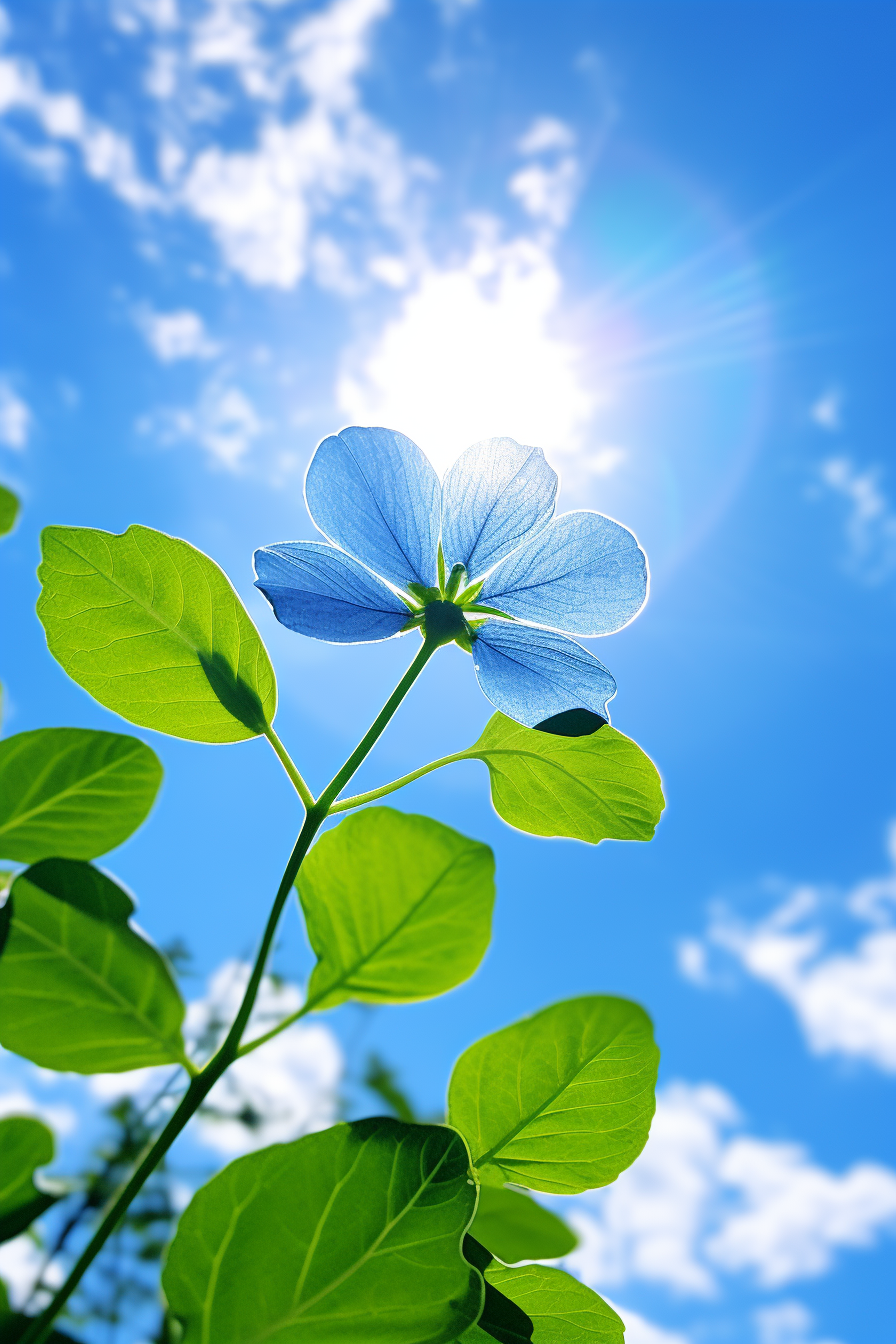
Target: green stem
[359, 799]
[290, 767]
[203, 1082]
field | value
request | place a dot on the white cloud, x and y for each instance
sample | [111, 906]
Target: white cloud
[844, 1000]
[224, 422]
[827, 411]
[285, 1088]
[871, 520]
[177, 335]
[638, 1330]
[785, 1323]
[472, 355]
[703, 1199]
[548, 191]
[107, 156]
[15, 416]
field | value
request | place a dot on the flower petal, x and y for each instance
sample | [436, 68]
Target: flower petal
[531, 675]
[322, 592]
[495, 496]
[372, 492]
[583, 573]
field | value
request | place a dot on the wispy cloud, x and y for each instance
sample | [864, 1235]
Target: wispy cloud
[177, 335]
[786, 1323]
[844, 998]
[16, 418]
[223, 421]
[870, 525]
[706, 1199]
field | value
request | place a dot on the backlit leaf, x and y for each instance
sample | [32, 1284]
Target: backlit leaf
[73, 792]
[398, 908]
[153, 629]
[352, 1234]
[562, 1310]
[514, 1227]
[25, 1145]
[79, 989]
[561, 1101]
[595, 787]
[9, 509]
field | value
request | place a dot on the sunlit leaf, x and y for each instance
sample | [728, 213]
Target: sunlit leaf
[73, 792]
[560, 1309]
[595, 787]
[514, 1227]
[398, 908]
[25, 1145]
[9, 510]
[153, 629]
[352, 1234]
[561, 1101]
[79, 989]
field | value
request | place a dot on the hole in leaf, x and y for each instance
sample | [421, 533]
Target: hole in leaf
[572, 723]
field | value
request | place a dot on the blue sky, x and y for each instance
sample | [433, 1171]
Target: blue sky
[656, 240]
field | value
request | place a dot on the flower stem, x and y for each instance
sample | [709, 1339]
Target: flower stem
[290, 767]
[202, 1082]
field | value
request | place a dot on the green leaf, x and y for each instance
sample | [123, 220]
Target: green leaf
[72, 792]
[562, 1310]
[153, 629]
[501, 1318]
[561, 1101]
[25, 1145]
[352, 1234]
[9, 510]
[514, 1227]
[398, 908]
[79, 989]
[597, 787]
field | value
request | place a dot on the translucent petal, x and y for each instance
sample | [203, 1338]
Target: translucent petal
[531, 675]
[496, 495]
[319, 591]
[583, 573]
[373, 493]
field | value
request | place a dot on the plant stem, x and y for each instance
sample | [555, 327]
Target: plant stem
[203, 1081]
[290, 767]
[359, 799]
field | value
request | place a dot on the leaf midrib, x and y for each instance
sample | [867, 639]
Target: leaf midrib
[21, 818]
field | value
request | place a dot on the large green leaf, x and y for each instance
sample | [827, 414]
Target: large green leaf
[79, 989]
[597, 787]
[398, 908]
[352, 1234]
[9, 509]
[561, 1101]
[72, 792]
[514, 1227]
[153, 629]
[560, 1308]
[25, 1145]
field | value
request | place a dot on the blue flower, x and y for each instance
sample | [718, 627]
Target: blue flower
[479, 560]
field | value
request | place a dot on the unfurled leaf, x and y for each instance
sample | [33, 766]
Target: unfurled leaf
[561, 1101]
[9, 510]
[80, 990]
[352, 1234]
[25, 1145]
[398, 908]
[560, 1308]
[514, 1227]
[596, 787]
[153, 629]
[72, 792]
[501, 1319]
